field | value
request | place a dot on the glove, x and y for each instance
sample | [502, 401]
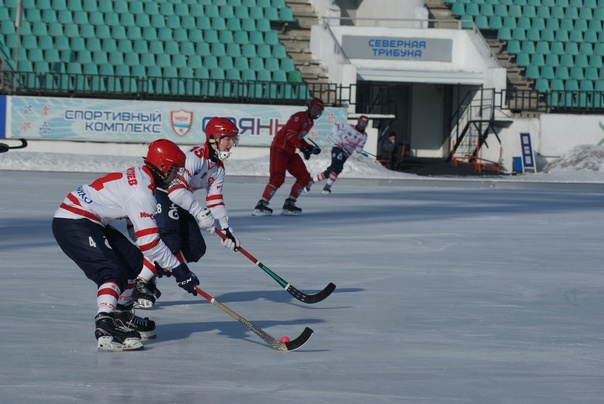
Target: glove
[307, 151]
[231, 241]
[185, 278]
[316, 150]
[205, 218]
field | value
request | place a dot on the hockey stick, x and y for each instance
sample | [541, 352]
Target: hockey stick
[4, 147]
[269, 339]
[303, 297]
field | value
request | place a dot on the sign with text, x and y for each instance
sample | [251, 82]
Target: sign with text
[145, 121]
[528, 156]
[392, 48]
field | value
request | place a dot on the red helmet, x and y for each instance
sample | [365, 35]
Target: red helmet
[316, 102]
[218, 127]
[164, 154]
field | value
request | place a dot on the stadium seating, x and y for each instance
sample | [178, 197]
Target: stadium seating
[144, 39]
[560, 43]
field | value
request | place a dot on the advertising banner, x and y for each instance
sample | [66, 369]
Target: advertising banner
[119, 121]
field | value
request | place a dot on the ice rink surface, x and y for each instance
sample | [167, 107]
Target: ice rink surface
[454, 293]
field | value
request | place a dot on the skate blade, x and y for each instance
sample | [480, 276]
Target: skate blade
[290, 213]
[261, 213]
[107, 344]
[326, 192]
[148, 334]
[143, 304]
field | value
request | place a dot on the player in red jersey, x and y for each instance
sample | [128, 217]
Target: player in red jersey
[82, 228]
[283, 157]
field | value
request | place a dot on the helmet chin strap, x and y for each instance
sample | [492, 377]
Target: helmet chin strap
[218, 155]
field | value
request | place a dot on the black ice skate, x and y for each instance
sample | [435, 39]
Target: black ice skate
[326, 189]
[124, 315]
[290, 208]
[144, 294]
[262, 209]
[112, 336]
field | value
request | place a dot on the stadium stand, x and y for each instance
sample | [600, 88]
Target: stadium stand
[104, 41]
[557, 42]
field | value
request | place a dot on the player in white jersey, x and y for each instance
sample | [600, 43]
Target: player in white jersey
[347, 140]
[82, 228]
[180, 216]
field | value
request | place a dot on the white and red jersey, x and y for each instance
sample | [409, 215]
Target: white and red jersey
[201, 172]
[348, 138]
[128, 194]
[291, 136]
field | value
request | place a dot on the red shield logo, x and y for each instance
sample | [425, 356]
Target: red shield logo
[181, 121]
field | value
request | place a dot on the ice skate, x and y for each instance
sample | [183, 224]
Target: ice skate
[111, 336]
[326, 189]
[290, 208]
[262, 209]
[124, 315]
[144, 294]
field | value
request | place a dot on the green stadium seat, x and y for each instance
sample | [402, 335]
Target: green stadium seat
[571, 85]
[90, 68]
[272, 64]
[28, 42]
[156, 47]
[257, 63]
[495, 22]
[211, 36]
[271, 14]
[203, 49]
[62, 43]
[263, 25]
[225, 36]
[562, 72]
[241, 63]
[248, 75]
[217, 73]
[264, 51]
[211, 11]
[482, 22]
[523, 59]
[202, 73]
[195, 61]
[233, 74]
[147, 59]
[210, 62]
[287, 65]
[138, 70]
[233, 24]
[552, 60]
[548, 35]
[218, 49]
[241, 12]
[280, 76]
[271, 38]
[592, 73]
[556, 84]
[248, 25]
[596, 61]
[576, 73]
[233, 49]
[264, 75]
[543, 11]
[582, 60]
[504, 34]
[187, 48]
[458, 9]
[131, 59]
[519, 34]
[528, 47]
[248, 50]
[294, 76]
[541, 85]
[278, 51]
[257, 13]
[547, 72]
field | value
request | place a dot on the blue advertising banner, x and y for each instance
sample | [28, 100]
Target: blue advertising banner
[144, 121]
[2, 116]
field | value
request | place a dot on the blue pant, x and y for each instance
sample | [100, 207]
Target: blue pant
[178, 229]
[102, 252]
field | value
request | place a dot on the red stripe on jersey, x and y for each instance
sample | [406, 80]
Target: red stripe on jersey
[81, 212]
[179, 257]
[148, 246]
[74, 200]
[146, 232]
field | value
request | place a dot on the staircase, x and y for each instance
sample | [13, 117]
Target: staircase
[296, 38]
